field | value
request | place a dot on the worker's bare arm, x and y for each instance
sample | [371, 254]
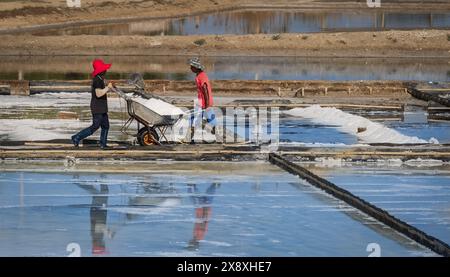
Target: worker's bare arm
[100, 92]
[205, 94]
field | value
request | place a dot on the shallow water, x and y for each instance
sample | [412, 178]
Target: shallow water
[181, 209]
[229, 68]
[303, 130]
[418, 193]
[266, 22]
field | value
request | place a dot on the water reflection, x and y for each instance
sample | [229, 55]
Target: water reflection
[238, 68]
[203, 210]
[151, 198]
[263, 22]
[98, 217]
[246, 221]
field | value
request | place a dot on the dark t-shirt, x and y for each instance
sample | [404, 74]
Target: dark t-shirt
[98, 104]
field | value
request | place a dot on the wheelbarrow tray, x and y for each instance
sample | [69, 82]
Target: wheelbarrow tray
[148, 116]
[153, 111]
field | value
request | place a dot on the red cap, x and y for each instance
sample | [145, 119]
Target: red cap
[99, 67]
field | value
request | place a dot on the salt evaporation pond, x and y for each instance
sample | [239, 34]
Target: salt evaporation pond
[316, 124]
[34, 118]
[417, 192]
[229, 68]
[294, 130]
[264, 22]
[180, 209]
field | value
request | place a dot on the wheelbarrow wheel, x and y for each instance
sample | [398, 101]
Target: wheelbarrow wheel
[145, 137]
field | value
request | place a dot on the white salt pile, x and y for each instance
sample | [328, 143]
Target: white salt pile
[369, 132]
[159, 106]
[39, 129]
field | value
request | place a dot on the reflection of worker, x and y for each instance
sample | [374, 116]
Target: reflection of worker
[205, 99]
[203, 211]
[98, 215]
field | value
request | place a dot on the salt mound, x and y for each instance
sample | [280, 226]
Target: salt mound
[370, 132]
[159, 106]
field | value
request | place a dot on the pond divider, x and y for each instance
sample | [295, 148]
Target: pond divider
[379, 214]
[247, 88]
[60, 149]
[438, 95]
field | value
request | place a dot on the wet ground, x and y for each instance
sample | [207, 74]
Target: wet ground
[226, 68]
[180, 209]
[263, 21]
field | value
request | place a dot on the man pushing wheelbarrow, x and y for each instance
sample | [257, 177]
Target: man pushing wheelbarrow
[99, 105]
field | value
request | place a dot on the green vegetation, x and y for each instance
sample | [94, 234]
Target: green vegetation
[200, 42]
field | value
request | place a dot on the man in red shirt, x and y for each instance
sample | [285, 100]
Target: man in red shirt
[205, 98]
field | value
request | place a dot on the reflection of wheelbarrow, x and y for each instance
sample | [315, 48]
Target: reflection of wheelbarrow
[142, 200]
[151, 199]
[155, 114]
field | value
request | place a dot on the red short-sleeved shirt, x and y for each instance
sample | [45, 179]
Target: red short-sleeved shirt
[200, 80]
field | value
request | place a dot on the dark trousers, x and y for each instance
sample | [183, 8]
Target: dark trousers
[98, 120]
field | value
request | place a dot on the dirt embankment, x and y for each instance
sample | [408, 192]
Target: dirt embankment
[17, 13]
[430, 43]
[14, 14]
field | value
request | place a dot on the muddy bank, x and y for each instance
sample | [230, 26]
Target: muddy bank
[430, 43]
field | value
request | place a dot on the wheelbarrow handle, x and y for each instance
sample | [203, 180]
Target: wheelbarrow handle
[120, 93]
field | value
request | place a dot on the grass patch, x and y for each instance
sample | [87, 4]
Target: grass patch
[276, 37]
[200, 42]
